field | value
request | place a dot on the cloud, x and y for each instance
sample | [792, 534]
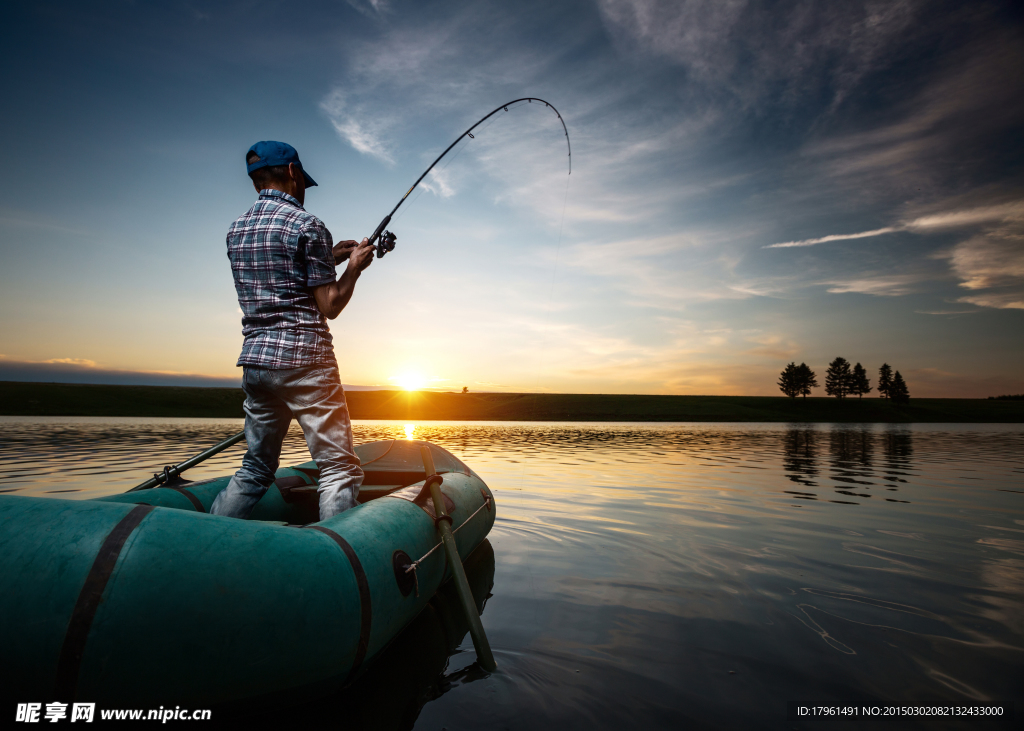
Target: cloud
[887, 285]
[83, 370]
[990, 260]
[763, 52]
[991, 264]
[966, 109]
[371, 8]
[1006, 212]
[695, 33]
[650, 272]
[1013, 211]
[361, 130]
[835, 237]
[85, 362]
[441, 187]
[997, 300]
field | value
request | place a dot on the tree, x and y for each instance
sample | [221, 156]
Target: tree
[898, 392]
[465, 389]
[860, 384]
[884, 380]
[837, 378]
[789, 380]
[806, 379]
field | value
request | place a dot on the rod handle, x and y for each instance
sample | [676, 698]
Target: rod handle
[380, 227]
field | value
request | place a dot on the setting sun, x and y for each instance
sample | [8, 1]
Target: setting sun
[410, 381]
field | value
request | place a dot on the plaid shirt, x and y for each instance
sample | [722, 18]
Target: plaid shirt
[278, 253]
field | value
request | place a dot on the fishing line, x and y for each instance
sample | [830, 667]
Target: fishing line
[551, 291]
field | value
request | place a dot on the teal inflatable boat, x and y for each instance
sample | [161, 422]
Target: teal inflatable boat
[144, 598]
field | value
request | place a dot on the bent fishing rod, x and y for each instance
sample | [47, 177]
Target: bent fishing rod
[385, 240]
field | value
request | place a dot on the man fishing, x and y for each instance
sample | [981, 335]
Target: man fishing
[283, 261]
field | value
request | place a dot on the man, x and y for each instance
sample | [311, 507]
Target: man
[282, 260]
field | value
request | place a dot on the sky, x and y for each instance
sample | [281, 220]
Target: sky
[752, 183]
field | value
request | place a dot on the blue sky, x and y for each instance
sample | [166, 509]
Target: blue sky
[752, 183]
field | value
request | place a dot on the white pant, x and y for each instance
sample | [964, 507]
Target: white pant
[314, 396]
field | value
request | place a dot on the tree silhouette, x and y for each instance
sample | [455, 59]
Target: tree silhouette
[898, 392]
[465, 389]
[837, 378]
[884, 380]
[789, 380]
[806, 379]
[860, 384]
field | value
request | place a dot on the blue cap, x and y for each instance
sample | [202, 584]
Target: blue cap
[271, 154]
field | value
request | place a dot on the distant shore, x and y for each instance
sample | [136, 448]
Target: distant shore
[62, 399]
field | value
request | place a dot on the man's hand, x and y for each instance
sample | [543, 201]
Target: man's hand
[332, 298]
[342, 250]
[361, 255]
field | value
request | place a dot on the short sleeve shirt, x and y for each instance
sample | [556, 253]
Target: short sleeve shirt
[278, 254]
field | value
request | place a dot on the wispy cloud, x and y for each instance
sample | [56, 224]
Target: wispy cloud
[1006, 212]
[892, 285]
[361, 130]
[836, 237]
[83, 370]
[756, 50]
[440, 185]
[991, 264]
[997, 300]
[84, 362]
[371, 8]
[988, 261]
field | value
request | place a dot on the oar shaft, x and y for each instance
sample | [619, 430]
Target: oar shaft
[189, 463]
[476, 627]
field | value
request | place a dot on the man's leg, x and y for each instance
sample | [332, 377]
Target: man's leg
[317, 401]
[266, 423]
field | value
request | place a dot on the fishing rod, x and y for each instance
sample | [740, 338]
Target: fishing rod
[385, 240]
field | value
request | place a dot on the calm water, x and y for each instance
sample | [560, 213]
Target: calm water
[652, 576]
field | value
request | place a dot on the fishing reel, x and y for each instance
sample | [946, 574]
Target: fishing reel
[385, 243]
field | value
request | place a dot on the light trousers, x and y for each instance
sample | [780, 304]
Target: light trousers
[314, 397]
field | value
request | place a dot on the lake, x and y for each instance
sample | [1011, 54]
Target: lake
[666, 575]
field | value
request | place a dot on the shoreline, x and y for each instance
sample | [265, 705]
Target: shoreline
[66, 399]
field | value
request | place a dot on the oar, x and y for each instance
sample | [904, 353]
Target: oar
[170, 473]
[444, 526]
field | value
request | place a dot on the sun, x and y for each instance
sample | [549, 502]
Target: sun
[410, 381]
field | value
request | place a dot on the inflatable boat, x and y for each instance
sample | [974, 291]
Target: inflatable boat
[145, 598]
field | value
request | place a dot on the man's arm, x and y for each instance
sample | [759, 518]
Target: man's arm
[332, 298]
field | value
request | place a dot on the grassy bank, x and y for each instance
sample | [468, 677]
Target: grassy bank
[61, 399]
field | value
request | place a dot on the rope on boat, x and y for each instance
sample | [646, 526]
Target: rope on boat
[377, 459]
[415, 564]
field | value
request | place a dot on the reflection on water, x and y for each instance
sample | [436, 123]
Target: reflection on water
[852, 462]
[658, 575]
